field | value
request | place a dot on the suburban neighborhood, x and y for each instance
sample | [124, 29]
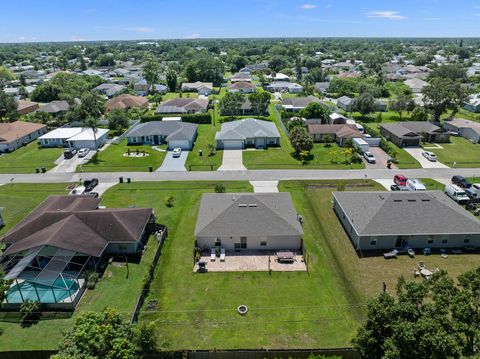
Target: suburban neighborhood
[213, 197]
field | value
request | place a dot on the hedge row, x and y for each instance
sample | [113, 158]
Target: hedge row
[199, 118]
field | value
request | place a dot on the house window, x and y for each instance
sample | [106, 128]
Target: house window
[444, 241]
[218, 242]
[263, 243]
[466, 240]
[122, 247]
[430, 241]
[373, 242]
[243, 242]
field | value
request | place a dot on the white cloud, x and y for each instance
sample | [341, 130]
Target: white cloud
[77, 38]
[192, 36]
[141, 29]
[387, 14]
[308, 6]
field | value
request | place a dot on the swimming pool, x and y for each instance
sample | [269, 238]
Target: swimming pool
[61, 290]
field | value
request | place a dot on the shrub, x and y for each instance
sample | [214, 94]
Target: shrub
[220, 188]
[198, 118]
[29, 312]
[169, 201]
[92, 279]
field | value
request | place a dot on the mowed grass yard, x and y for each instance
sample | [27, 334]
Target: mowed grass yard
[282, 157]
[206, 136]
[198, 311]
[114, 289]
[459, 153]
[112, 159]
[26, 158]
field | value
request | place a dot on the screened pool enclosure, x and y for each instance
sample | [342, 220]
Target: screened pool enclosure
[46, 274]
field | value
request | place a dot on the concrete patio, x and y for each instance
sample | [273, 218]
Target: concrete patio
[251, 262]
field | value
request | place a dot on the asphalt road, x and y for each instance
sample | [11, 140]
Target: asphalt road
[257, 175]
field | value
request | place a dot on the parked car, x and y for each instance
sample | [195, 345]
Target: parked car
[83, 152]
[400, 180]
[429, 156]
[90, 184]
[456, 193]
[69, 153]
[369, 157]
[473, 191]
[414, 184]
[461, 182]
[395, 187]
[176, 152]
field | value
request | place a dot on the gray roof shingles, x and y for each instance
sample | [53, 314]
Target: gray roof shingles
[247, 128]
[173, 130]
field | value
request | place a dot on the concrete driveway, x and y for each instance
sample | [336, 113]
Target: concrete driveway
[416, 152]
[174, 164]
[265, 186]
[381, 159]
[232, 161]
[69, 166]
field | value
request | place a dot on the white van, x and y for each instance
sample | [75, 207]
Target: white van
[456, 193]
[473, 191]
[414, 184]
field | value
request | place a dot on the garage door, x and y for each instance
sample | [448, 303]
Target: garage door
[233, 145]
[183, 144]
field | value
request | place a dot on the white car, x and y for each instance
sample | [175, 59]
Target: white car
[369, 157]
[429, 156]
[83, 152]
[176, 152]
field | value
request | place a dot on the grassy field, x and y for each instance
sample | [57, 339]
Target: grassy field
[112, 159]
[459, 153]
[299, 310]
[282, 157]
[25, 159]
[114, 289]
[206, 136]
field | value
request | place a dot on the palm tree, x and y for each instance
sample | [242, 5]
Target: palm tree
[91, 123]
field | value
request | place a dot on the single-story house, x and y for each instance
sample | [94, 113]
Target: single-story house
[247, 132]
[387, 220]
[337, 119]
[242, 87]
[244, 109]
[241, 77]
[295, 104]
[203, 88]
[12, 91]
[465, 128]
[108, 89]
[141, 88]
[48, 253]
[176, 134]
[345, 103]
[283, 86]
[55, 107]
[339, 133]
[412, 133]
[25, 107]
[279, 77]
[473, 103]
[125, 102]
[322, 87]
[16, 134]
[74, 137]
[248, 221]
[415, 84]
[183, 105]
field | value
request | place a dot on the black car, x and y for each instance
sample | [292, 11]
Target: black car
[461, 182]
[69, 153]
[90, 184]
[395, 187]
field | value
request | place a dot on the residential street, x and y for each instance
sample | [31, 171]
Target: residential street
[257, 175]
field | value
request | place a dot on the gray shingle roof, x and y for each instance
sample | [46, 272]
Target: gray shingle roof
[247, 214]
[55, 106]
[301, 101]
[183, 105]
[405, 213]
[173, 130]
[247, 128]
[400, 129]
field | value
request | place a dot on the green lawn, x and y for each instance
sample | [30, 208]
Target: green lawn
[25, 159]
[459, 153]
[114, 289]
[301, 310]
[172, 95]
[112, 159]
[282, 157]
[206, 136]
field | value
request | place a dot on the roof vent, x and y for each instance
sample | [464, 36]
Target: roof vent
[425, 200]
[411, 200]
[242, 205]
[397, 200]
[252, 205]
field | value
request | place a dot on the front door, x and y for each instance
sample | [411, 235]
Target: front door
[155, 140]
[401, 242]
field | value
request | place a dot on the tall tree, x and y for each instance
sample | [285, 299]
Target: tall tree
[443, 94]
[172, 80]
[364, 103]
[260, 101]
[300, 139]
[151, 73]
[91, 123]
[230, 103]
[5, 76]
[401, 103]
[91, 105]
[317, 111]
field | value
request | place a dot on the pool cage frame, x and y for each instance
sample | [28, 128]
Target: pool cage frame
[48, 264]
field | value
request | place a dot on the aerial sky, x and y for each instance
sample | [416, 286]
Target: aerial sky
[65, 20]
